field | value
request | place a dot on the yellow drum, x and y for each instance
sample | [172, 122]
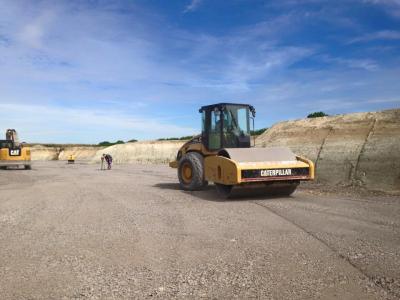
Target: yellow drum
[71, 159]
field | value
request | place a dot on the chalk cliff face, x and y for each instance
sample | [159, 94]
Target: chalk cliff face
[40, 152]
[80, 153]
[142, 152]
[360, 148]
[138, 152]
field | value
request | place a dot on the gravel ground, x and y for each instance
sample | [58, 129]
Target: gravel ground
[75, 232]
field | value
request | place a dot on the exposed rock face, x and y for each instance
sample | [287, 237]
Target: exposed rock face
[40, 152]
[361, 148]
[138, 152]
[80, 152]
[142, 152]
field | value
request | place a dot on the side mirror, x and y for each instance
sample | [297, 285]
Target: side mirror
[253, 111]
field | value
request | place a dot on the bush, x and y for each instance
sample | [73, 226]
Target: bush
[183, 138]
[258, 131]
[317, 114]
[108, 144]
[188, 137]
[132, 141]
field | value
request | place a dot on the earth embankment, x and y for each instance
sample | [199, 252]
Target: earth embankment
[142, 152]
[359, 148]
[354, 149]
[56, 152]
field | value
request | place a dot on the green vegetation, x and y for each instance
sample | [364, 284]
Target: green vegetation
[107, 143]
[183, 138]
[258, 131]
[317, 114]
[60, 145]
[102, 144]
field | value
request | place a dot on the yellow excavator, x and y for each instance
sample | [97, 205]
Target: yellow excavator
[14, 153]
[223, 154]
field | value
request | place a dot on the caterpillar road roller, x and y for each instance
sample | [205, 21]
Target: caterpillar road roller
[71, 159]
[14, 153]
[223, 154]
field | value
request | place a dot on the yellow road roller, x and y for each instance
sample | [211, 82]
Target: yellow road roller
[71, 159]
[223, 154]
[14, 153]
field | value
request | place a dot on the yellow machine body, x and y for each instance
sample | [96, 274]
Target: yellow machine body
[222, 154]
[12, 153]
[71, 159]
[223, 170]
[8, 159]
[219, 169]
[191, 146]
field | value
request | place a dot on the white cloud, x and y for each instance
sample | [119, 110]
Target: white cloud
[352, 63]
[379, 35]
[33, 32]
[386, 2]
[192, 6]
[329, 105]
[392, 7]
[70, 72]
[47, 122]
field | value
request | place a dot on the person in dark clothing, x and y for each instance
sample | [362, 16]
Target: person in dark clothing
[108, 159]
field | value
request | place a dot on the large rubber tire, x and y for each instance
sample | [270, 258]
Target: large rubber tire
[28, 167]
[191, 172]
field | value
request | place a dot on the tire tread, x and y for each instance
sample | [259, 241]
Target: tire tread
[197, 162]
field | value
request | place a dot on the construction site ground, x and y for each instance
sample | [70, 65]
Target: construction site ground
[76, 232]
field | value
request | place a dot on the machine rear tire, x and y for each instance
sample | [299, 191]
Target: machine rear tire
[28, 167]
[191, 172]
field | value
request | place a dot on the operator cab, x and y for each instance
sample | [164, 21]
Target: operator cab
[226, 125]
[6, 144]
[11, 141]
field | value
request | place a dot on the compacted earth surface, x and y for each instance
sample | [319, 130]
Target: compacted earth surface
[76, 232]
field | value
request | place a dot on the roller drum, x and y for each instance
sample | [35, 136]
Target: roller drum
[265, 189]
[257, 155]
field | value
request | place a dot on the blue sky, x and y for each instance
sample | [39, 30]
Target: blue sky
[88, 71]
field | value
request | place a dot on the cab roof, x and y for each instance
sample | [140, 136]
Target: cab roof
[220, 105]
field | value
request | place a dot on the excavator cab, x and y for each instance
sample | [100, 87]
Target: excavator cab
[226, 125]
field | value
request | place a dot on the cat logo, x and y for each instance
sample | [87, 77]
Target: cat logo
[14, 152]
[273, 173]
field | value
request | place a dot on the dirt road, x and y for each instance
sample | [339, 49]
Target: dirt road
[75, 232]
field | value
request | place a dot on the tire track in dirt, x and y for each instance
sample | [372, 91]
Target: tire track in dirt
[372, 279]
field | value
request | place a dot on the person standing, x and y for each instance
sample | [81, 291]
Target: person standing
[102, 161]
[109, 160]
